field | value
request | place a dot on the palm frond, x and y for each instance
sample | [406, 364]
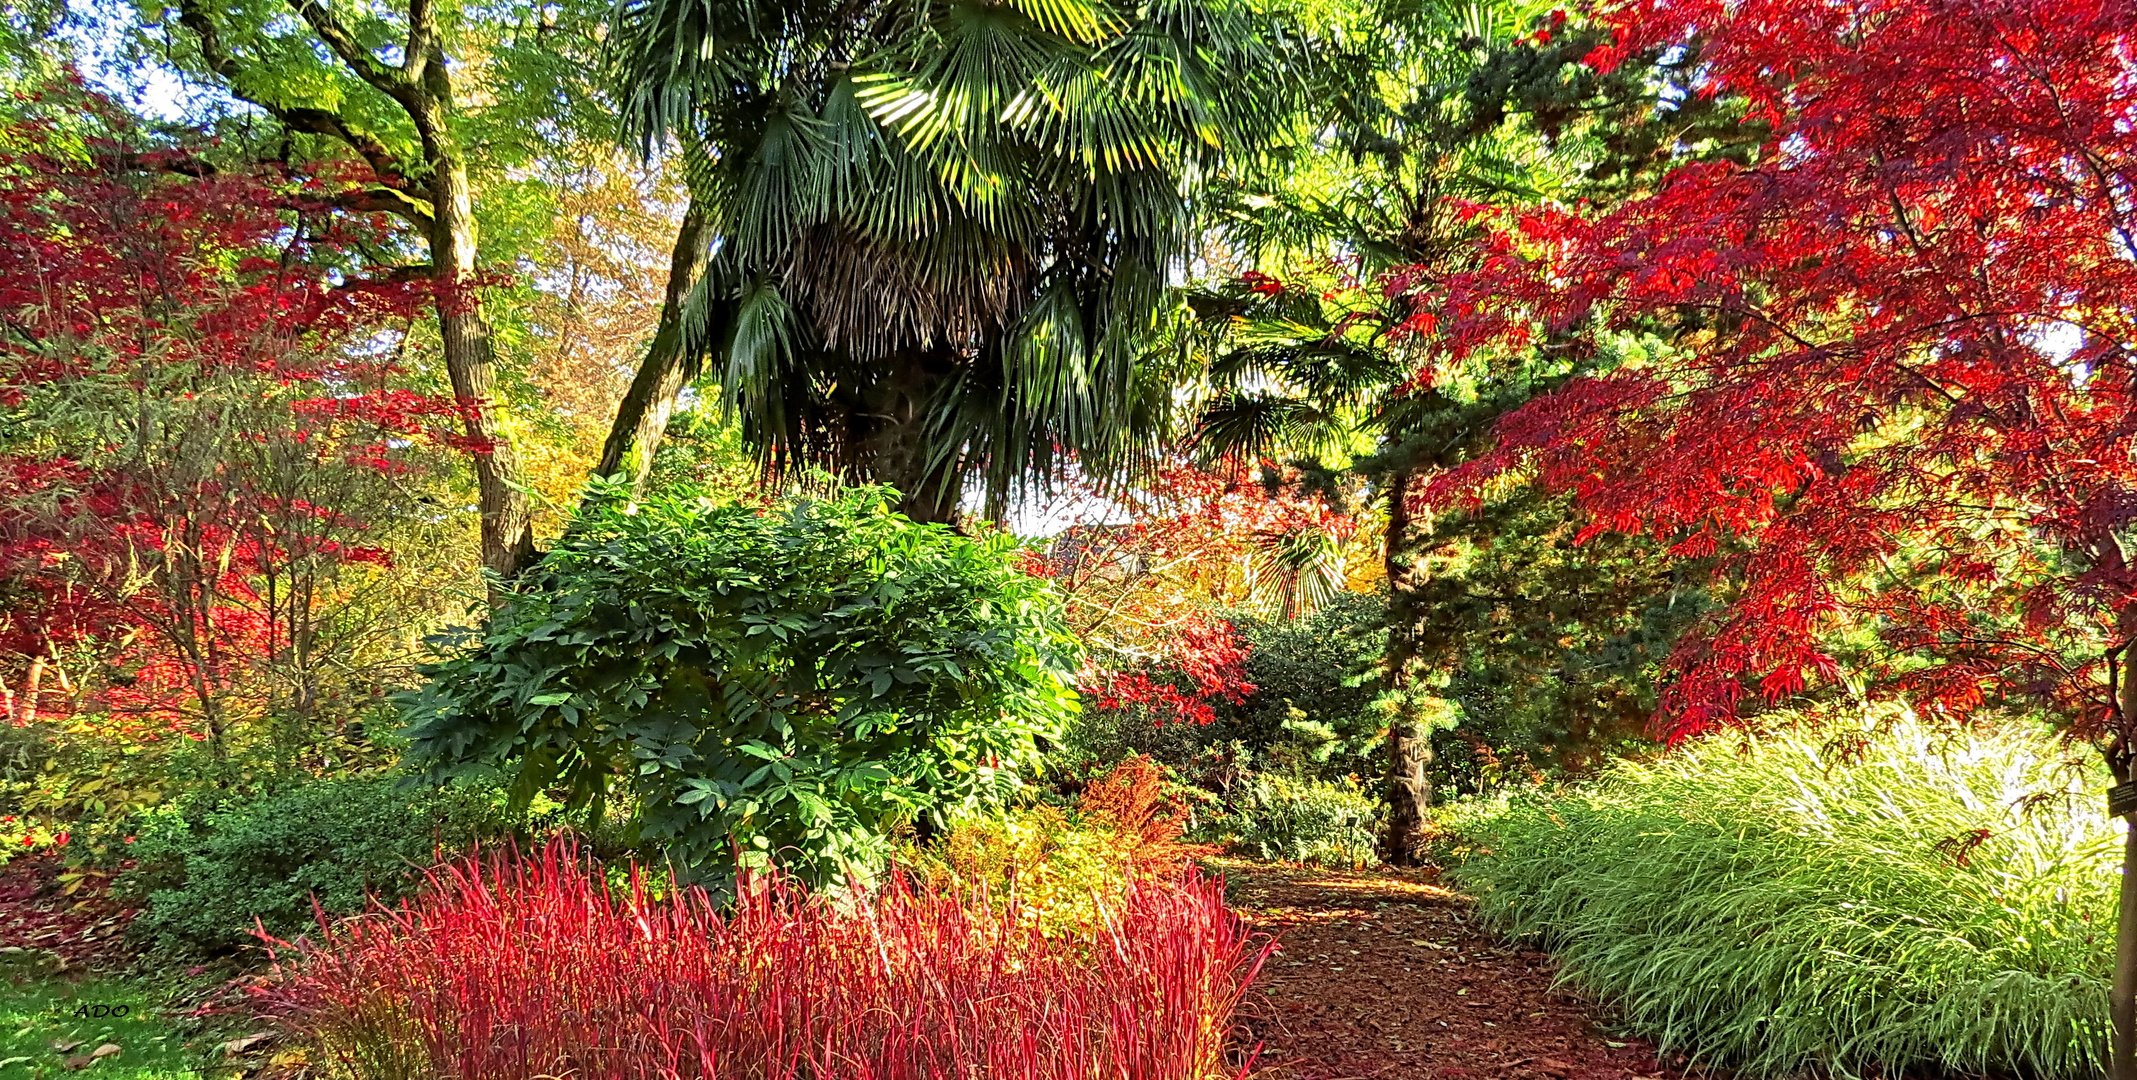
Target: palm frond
[999, 188]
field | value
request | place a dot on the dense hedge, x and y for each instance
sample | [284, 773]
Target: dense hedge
[1840, 900]
[208, 872]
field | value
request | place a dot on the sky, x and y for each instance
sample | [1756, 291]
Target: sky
[95, 32]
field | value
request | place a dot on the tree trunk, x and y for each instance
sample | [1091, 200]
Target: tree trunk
[434, 195]
[2122, 764]
[2122, 998]
[1409, 779]
[890, 444]
[642, 415]
[470, 354]
[930, 502]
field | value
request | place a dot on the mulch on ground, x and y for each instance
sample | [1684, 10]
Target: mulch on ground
[1385, 974]
[83, 931]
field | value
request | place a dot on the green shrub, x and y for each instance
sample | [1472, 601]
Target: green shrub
[1321, 822]
[1316, 680]
[797, 682]
[205, 872]
[1311, 713]
[1847, 900]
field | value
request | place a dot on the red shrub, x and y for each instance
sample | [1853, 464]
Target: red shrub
[517, 968]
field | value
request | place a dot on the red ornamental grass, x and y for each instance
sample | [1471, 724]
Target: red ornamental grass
[517, 967]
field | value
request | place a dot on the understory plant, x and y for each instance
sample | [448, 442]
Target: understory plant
[1063, 869]
[208, 873]
[1849, 899]
[797, 681]
[513, 968]
[1319, 822]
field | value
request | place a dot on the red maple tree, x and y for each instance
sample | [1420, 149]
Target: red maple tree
[1890, 362]
[204, 416]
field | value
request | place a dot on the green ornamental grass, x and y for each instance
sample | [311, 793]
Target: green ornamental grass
[1893, 898]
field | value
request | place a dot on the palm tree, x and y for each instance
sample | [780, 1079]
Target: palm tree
[936, 231]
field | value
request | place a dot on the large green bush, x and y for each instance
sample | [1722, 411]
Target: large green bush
[794, 682]
[1847, 900]
[206, 871]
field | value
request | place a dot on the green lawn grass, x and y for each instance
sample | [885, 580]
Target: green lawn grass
[45, 1021]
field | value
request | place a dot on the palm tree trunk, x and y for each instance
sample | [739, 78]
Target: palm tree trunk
[642, 416]
[1409, 779]
[891, 442]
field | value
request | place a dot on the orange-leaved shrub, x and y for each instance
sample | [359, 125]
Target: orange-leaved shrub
[1065, 870]
[516, 967]
[1132, 801]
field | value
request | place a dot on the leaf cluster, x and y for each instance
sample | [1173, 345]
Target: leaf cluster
[993, 195]
[209, 869]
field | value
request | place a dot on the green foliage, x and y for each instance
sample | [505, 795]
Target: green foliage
[76, 771]
[701, 453]
[1271, 816]
[1059, 866]
[942, 228]
[797, 682]
[1550, 647]
[1315, 679]
[1311, 713]
[1850, 899]
[1313, 359]
[206, 871]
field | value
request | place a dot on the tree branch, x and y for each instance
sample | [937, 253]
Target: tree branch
[407, 200]
[393, 81]
[414, 207]
[422, 40]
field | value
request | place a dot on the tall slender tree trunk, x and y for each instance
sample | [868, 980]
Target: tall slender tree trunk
[1409, 778]
[2122, 764]
[642, 416]
[432, 194]
[2122, 996]
[464, 334]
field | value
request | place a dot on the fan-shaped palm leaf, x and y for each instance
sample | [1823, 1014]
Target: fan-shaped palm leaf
[965, 210]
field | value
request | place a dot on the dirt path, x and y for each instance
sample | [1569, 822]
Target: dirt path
[1384, 975]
